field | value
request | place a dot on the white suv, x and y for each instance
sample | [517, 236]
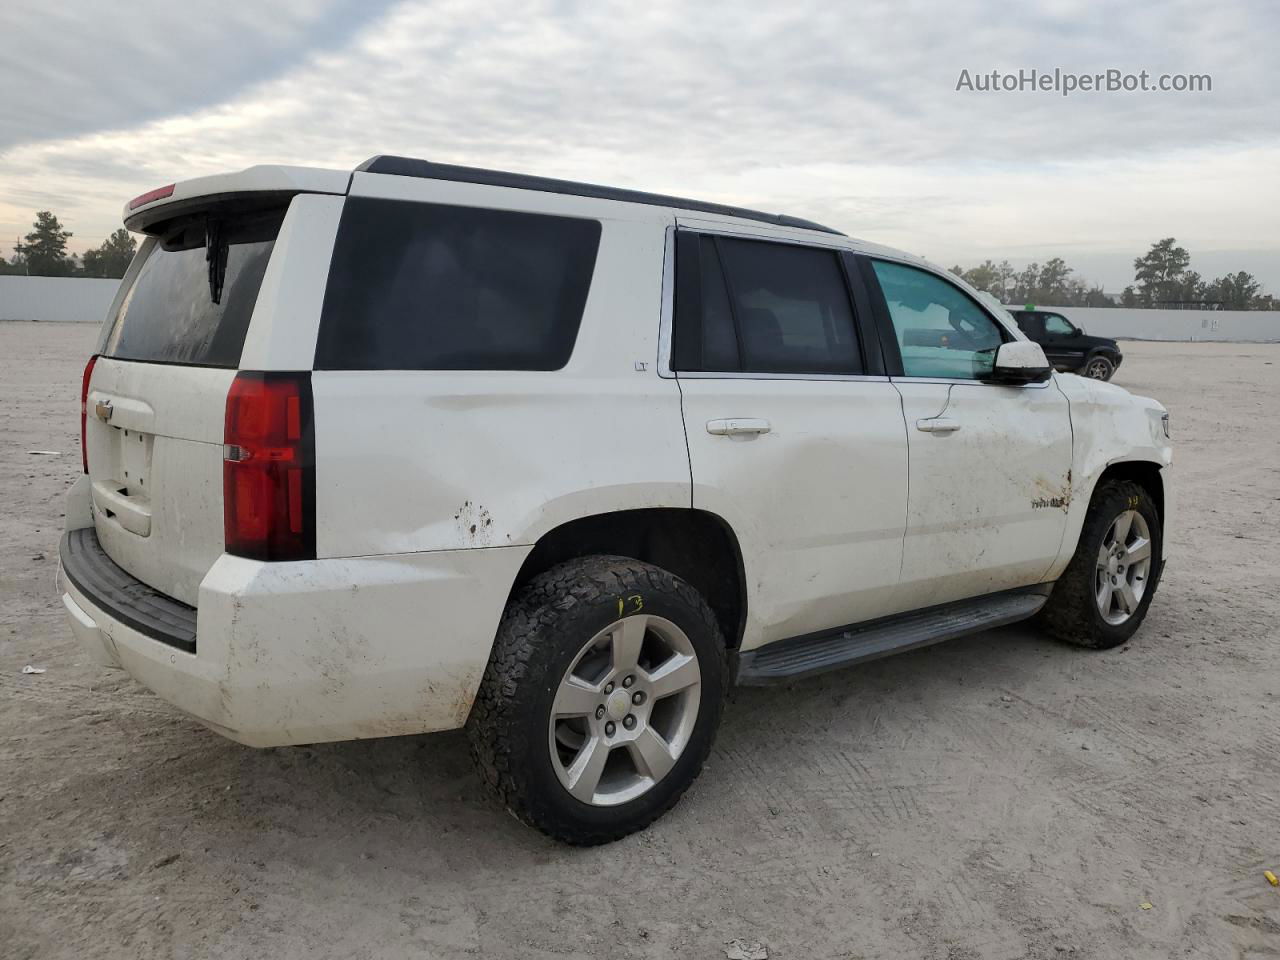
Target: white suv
[424, 446]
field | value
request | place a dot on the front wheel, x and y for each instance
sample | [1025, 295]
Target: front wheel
[1099, 368]
[1103, 596]
[601, 698]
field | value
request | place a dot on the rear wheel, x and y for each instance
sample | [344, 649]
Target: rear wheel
[601, 698]
[1103, 595]
[1099, 368]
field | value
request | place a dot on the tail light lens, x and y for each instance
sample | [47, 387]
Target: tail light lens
[268, 469]
[84, 410]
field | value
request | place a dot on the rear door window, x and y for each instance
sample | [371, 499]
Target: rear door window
[1030, 323]
[186, 307]
[421, 286]
[787, 309]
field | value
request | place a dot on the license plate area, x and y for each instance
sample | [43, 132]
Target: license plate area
[133, 461]
[122, 489]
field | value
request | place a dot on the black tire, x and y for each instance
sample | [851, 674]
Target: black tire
[1098, 367]
[1072, 612]
[544, 627]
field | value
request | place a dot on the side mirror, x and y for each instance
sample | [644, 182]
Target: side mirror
[1020, 361]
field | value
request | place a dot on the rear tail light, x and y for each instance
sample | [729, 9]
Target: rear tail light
[84, 410]
[268, 468]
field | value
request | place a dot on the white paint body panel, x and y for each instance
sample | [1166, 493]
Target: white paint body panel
[818, 503]
[433, 486]
[168, 530]
[282, 330]
[163, 445]
[263, 178]
[1109, 426]
[441, 460]
[324, 649]
[981, 514]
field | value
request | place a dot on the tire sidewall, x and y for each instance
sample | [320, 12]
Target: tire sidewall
[562, 631]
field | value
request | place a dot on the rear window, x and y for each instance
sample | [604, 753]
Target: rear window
[177, 311]
[421, 286]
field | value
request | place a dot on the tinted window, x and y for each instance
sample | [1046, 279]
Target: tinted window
[704, 337]
[1030, 323]
[792, 308]
[719, 339]
[169, 314]
[941, 331]
[418, 286]
[760, 307]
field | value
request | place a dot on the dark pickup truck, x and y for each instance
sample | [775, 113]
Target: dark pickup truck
[1067, 346]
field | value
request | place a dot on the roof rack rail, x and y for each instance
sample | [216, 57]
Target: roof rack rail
[426, 169]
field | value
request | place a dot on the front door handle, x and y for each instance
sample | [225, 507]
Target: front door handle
[737, 427]
[938, 425]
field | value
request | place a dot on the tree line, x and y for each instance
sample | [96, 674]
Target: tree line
[1162, 277]
[43, 253]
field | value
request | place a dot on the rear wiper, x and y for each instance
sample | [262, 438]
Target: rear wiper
[215, 253]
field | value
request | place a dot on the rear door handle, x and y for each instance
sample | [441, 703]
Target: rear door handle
[938, 425]
[737, 427]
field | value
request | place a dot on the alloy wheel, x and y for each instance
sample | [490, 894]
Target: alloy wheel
[1124, 567]
[624, 710]
[1098, 369]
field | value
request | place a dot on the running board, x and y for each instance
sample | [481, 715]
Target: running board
[819, 652]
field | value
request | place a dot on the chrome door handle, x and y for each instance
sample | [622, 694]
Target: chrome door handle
[737, 427]
[938, 425]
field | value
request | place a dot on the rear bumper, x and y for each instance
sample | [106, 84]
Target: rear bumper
[303, 652]
[122, 596]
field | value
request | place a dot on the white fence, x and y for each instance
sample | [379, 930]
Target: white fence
[1126, 324]
[78, 299]
[56, 299]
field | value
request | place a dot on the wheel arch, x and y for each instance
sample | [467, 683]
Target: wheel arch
[1111, 356]
[1111, 353]
[1145, 473]
[698, 546]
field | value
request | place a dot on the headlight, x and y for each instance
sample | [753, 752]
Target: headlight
[1164, 422]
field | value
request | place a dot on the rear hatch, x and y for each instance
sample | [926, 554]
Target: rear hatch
[157, 397]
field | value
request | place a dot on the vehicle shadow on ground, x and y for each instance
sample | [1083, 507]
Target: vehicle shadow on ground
[390, 800]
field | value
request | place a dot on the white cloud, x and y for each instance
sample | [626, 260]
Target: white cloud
[846, 115]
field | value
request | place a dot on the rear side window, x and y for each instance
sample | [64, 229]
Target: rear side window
[1029, 322]
[420, 286]
[187, 306]
[761, 307]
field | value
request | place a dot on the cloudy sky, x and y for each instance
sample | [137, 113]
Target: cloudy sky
[844, 113]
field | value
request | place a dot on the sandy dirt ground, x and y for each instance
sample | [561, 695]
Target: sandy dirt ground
[1001, 796]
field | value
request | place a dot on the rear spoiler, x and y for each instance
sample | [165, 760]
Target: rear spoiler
[263, 181]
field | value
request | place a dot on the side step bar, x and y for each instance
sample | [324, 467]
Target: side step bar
[819, 652]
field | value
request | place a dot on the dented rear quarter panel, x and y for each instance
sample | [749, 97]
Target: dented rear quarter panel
[421, 460]
[1109, 425]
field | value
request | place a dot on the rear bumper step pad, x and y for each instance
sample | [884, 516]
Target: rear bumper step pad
[122, 596]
